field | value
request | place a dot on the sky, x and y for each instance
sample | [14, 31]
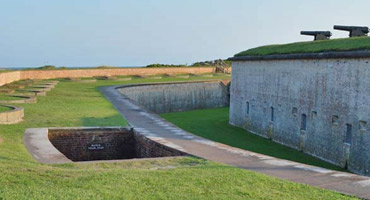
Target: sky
[76, 33]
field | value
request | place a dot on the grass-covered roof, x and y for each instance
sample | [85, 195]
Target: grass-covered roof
[347, 44]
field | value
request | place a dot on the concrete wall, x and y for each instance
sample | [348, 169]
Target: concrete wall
[173, 97]
[333, 94]
[8, 77]
[13, 116]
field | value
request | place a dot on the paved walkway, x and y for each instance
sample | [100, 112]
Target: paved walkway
[156, 128]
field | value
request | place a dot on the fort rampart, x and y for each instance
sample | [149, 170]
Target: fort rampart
[317, 103]
[8, 77]
[173, 97]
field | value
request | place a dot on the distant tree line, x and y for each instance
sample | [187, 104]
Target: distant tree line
[50, 67]
[222, 66]
[165, 65]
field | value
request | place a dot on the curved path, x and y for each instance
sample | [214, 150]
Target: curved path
[153, 126]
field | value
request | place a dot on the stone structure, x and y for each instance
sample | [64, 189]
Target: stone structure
[317, 103]
[8, 77]
[22, 99]
[34, 92]
[62, 145]
[181, 96]
[13, 116]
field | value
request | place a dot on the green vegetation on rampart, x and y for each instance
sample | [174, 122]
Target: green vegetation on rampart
[347, 44]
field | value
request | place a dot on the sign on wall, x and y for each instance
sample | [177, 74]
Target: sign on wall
[95, 146]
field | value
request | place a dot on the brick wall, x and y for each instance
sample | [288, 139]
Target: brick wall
[146, 148]
[93, 144]
[50, 74]
[106, 144]
[9, 77]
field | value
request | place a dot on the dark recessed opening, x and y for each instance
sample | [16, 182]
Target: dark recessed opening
[107, 144]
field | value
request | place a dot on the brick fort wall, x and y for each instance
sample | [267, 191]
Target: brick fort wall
[8, 77]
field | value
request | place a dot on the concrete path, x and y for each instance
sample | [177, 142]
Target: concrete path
[153, 126]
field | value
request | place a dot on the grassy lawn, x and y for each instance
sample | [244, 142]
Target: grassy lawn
[4, 109]
[73, 104]
[6, 97]
[347, 44]
[213, 124]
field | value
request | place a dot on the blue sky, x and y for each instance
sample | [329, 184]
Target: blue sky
[141, 32]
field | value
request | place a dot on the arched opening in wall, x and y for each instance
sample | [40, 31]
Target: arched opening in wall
[347, 143]
[303, 122]
[247, 108]
[272, 114]
[348, 139]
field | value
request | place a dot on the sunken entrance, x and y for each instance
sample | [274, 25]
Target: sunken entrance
[107, 144]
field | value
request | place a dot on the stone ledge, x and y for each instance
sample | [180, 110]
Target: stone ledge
[86, 81]
[34, 92]
[13, 116]
[307, 56]
[24, 99]
[167, 83]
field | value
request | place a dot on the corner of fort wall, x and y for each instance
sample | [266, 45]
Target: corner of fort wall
[318, 106]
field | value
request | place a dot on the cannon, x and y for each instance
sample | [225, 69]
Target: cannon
[354, 31]
[319, 35]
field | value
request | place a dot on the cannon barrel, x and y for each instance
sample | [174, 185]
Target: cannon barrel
[319, 35]
[351, 28]
[314, 33]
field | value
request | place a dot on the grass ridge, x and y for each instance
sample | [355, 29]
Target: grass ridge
[320, 46]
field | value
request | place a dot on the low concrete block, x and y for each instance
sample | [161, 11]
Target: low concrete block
[23, 99]
[13, 116]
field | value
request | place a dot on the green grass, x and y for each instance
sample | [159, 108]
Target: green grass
[348, 44]
[4, 109]
[5, 97]
[213, 124]
[73, 104]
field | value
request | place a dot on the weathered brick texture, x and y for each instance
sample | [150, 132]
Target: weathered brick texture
[106, 144]
[8, 77]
